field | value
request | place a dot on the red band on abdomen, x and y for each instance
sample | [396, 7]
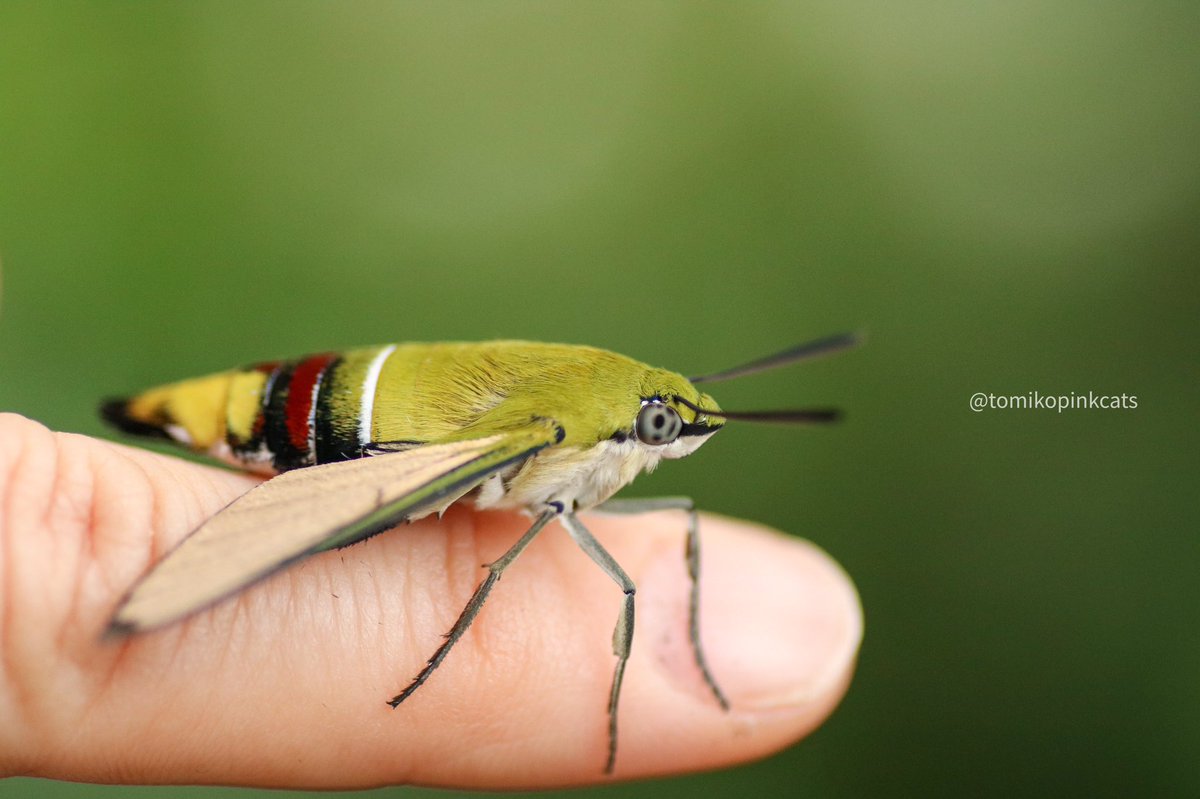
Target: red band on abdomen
[298, 413]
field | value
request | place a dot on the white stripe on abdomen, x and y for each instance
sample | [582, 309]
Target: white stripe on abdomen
[366, 411]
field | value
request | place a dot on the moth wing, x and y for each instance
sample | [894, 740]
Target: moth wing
[308, 510]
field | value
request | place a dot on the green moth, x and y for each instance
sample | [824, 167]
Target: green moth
[363, 440]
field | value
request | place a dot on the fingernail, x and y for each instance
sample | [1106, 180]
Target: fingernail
[781, 622]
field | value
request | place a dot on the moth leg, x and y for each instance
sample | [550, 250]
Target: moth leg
[495, 569]
[692, 556]
[622, 633]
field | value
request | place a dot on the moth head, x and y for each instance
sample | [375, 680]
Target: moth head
[675, 418]
[672, 418]
[662, 417]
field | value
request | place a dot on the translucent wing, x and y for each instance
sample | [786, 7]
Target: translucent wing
[308, 510]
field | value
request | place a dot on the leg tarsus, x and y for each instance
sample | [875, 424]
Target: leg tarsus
[692, 553]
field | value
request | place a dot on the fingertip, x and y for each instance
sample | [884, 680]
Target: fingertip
[785, 617]
[781, 625]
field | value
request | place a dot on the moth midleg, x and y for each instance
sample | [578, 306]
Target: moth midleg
[622, 633]
[474, 604]
[692, 557]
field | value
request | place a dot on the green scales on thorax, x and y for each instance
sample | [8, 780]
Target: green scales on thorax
[452, 390]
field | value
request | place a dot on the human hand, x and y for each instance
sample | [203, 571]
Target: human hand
[285, 685]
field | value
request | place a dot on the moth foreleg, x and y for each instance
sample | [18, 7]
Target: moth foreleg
[692, 557]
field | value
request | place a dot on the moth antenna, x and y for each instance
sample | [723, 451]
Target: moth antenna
[802, 352]
[795, 416]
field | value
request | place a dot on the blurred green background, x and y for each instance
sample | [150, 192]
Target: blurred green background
[1006, 196]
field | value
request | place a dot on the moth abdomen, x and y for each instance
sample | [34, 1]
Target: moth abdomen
[269, 417]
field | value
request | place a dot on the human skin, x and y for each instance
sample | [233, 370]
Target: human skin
[285, 685]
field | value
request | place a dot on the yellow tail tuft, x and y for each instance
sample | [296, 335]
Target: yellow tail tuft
[191, 412]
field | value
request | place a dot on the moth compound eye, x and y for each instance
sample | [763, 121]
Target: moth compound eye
[657, 424]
